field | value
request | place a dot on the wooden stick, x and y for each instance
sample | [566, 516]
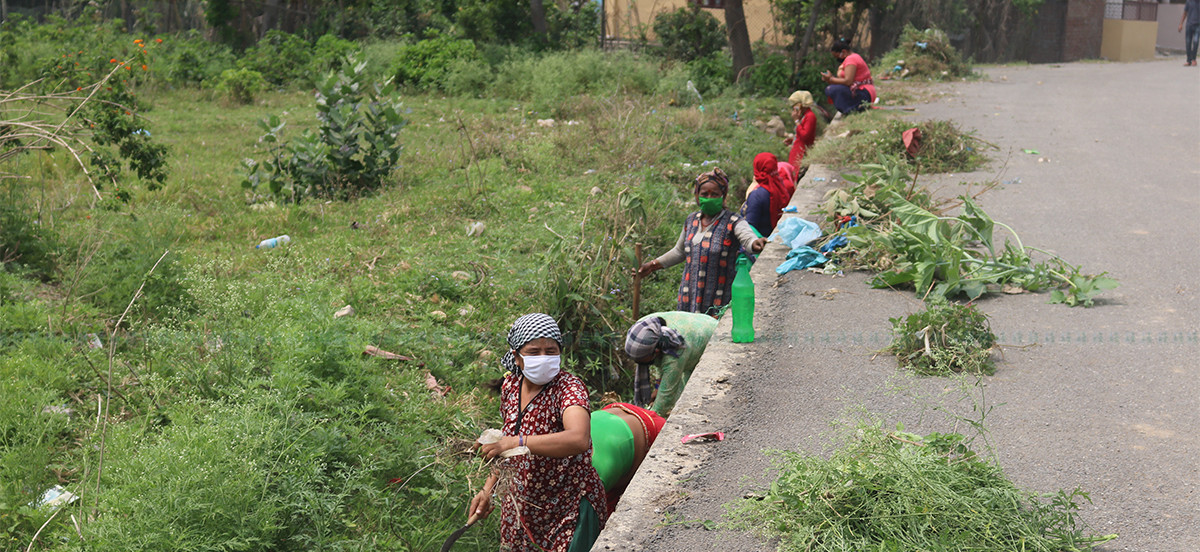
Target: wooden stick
[637, 282]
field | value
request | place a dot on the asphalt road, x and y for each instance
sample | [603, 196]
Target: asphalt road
[1106, 399]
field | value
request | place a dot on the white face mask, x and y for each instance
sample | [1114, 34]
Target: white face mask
[539, 370]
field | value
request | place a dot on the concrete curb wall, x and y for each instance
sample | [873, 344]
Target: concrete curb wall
[669, 462]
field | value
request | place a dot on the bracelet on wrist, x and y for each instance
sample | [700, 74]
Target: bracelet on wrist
[520, 440]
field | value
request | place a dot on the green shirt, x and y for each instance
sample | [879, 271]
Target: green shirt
[696, 329]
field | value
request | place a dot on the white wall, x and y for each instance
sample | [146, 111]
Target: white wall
[1169, 37]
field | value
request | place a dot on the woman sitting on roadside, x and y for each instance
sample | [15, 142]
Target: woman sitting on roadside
[852, 89]
[768, 195]
[556, 501]
[708, 246]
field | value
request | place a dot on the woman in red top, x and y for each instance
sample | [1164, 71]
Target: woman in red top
[852, 89]
[556, 501]
[806, 126]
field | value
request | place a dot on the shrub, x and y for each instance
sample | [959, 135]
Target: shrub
[689, 33]
[549, 80]
[771, 74]
[241, 85]
[574, 27]
[282, 58]
[505, 21]
[192, 60]
[711, 73]
[114, 122]
[426, 63]
[353, 151]
[330, 53]
[125, 254]
[25, 242]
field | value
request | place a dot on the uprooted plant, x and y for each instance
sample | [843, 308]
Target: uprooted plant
[904, 235]
[943, 339]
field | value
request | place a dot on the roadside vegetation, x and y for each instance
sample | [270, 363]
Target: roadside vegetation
[197, 393]
[194, 392]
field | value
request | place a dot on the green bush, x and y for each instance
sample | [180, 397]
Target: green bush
[125, 251]
[241, 85]
[689, 33]
[26, 243]
[548, 81]
[191, 59]
[502, 21]
[711, 73]
[574, 27]
[425, 64]
[771, 74]
[330, 53]
[280, 57]
[114, 122]
[353, 152]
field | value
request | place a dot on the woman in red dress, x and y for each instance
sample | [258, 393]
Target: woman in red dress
[556, 501]
[806, 126]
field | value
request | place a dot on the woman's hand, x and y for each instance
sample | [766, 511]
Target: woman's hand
[481, 504]
[826, 76]
[757, 245]
[492, 450]
[647, 268]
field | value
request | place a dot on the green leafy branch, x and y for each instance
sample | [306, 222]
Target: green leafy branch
[902, 237]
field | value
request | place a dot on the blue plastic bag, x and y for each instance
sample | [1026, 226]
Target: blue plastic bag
[800, 258]
[796, 232]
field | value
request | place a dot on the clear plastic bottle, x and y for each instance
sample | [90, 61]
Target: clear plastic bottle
[273, 242]
[742, 303]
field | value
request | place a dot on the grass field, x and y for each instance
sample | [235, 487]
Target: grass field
[235, 412]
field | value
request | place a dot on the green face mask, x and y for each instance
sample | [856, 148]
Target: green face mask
[711, 206]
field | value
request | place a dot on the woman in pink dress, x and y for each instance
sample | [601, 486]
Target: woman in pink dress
[852, 88]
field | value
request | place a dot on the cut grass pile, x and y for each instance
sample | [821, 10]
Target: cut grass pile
[944, 339]
[864, 138]
[892, 491]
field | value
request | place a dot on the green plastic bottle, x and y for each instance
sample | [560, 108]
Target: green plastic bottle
[742, 303]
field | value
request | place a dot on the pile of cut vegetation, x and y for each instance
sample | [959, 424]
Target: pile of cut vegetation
[943, 147]
[925, 55]
[892, 490]
[896, 229]
[944, 339]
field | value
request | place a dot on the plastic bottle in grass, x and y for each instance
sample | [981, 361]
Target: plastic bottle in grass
[742, 303]
[273, 242]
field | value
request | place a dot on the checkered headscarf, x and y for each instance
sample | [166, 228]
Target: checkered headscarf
[528, 328]
[650, 333]
[716, 175]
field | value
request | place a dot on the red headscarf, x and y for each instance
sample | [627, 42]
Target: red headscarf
[787, 172]
[766, 173]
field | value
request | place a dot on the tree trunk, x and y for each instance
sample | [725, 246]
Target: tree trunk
[538, 11]
[739, 36]
[814, 10]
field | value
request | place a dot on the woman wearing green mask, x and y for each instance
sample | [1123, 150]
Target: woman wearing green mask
[708, 247]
